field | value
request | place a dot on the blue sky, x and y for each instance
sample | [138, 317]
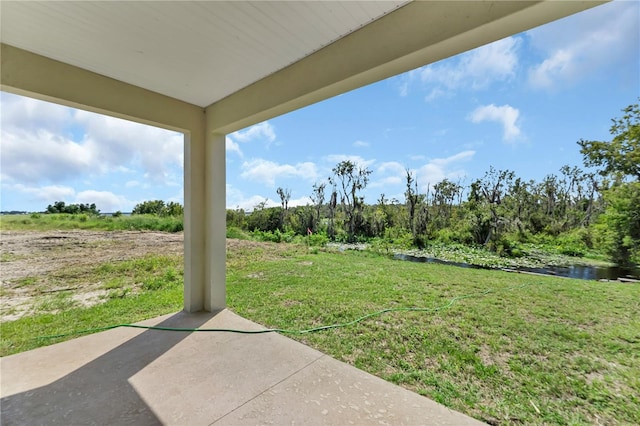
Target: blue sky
[520, 103]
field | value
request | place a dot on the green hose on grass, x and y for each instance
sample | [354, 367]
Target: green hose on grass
[280, 330]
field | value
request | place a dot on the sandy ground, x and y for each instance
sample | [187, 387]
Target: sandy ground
[28, 258]
[31, 260]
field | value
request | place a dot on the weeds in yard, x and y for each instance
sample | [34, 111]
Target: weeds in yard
[9, 257]
[56, 302]
[26, 282]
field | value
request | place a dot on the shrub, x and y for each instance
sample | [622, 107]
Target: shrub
[275, 237]
[318, 239]
[448, 236]
[574, 243]
[237, 233]
[506, 247]
[420, 241]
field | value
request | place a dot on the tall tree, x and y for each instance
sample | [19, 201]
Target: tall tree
[285, 196]
[317, 196]
[444, 194]
[411, 199]
[619, 160]
[333, 203]
[493, 188]
[351, 179]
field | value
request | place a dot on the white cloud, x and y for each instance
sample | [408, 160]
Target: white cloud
[106, 201]
[236, 199]
[334, 159]
[113, 142]
[461, 156]
[546, 73]
[20, 113]
[177, 198]
[40, 155]
[436, 93]
[505, 115]
[440, 168]
[391, 166]
[596, 40]
[262, 131]
[231, 146]
[301, 201]
[394, 174]
[475, 70]
[259, 132]
[389, 173]
[386, 181]
[43, 194]
[43, 142]
[361, 144]
[404, 88]
[405, 80]
[265, 171]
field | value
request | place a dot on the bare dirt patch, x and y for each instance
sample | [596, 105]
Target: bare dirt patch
[29, 254]
[29, 261]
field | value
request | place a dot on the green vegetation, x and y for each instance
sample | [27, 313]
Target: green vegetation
[159, 208]
[146, 216]
[619, 163]
[520, 349]
[49, 222]
[61, 207]
[578, 213]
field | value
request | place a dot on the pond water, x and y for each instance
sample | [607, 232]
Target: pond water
[573, 271]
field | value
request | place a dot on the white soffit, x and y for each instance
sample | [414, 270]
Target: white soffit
[198, 52]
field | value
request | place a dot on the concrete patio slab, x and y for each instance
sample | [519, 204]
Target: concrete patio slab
[148, 377]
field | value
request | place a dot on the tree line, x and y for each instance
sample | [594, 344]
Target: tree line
[62, 207]
[586, 209]
[596, 207]
[153, 207]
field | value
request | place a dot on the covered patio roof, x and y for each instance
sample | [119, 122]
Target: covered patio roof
[209, 68]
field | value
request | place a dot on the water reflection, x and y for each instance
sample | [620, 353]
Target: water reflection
[573, 271]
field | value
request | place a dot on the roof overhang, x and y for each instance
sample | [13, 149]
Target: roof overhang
[120, 57]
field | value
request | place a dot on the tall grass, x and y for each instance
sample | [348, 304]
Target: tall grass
[51, 222]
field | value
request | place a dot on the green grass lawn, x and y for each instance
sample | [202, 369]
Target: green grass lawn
[520, 349]
[533, 350]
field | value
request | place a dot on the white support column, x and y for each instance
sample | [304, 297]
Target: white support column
[194, 218]
[204, 220]
[215, 292]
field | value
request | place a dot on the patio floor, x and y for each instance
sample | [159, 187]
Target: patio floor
[145, 377]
